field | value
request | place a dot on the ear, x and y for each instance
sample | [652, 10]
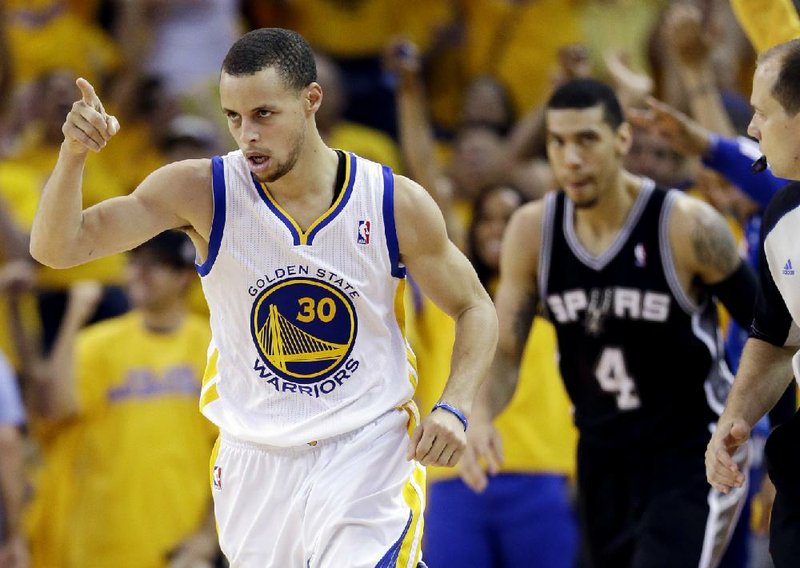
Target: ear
[312, 97]
[623, 139]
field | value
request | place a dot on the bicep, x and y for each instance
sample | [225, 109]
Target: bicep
[705, 240]
[167, 199]
[439, 267]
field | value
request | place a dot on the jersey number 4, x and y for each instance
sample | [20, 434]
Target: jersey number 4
[613, 377]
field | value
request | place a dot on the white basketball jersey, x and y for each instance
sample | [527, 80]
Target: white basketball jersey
[307, 327]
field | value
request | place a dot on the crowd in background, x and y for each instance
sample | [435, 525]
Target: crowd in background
[447, 92]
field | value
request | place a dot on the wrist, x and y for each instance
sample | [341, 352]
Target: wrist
[73, 150]
[454, 410]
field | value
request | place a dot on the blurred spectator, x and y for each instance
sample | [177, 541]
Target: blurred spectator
[45, 36]
[633, 23]
[13, 548]
[354, 32]
[186, 43]
[517, 43]
[339, 133]
[487, 102]
[141, 494]
[188, 136]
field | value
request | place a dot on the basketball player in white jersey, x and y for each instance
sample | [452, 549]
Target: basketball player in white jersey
[302, 252]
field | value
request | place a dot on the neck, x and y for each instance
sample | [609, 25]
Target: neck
[163, 319]
[611, 210]
[314, 171]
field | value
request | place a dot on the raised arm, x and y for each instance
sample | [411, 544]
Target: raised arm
[64, 235]
[55, 381]
[445, 275]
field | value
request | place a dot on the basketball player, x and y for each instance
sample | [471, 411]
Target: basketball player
[303, 252]
[626, 272]
[770, 354]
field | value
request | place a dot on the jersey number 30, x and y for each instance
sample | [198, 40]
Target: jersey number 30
[613, 377]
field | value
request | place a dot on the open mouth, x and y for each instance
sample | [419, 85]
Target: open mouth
[257, 162]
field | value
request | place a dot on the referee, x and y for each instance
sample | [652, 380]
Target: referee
[771, 352]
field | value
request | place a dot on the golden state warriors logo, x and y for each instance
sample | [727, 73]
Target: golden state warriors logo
[303, 328]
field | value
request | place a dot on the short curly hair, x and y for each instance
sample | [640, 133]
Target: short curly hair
[285, 50]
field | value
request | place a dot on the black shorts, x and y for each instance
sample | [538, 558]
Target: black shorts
[782, 454]
[648, 509]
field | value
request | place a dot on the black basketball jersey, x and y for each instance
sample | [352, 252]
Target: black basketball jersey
[641, 361]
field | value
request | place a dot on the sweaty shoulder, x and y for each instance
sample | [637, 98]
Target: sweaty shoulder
[701, 239]
[184, 188]
[419, 221]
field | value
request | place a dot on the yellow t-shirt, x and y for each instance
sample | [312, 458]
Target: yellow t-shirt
[48, 516]
[362, 29]
[367, 142]
[536, 428]
[44, 36]
[518, 43]
[767, 23]
[141, 471]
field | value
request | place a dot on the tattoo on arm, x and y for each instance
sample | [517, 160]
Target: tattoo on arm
[713, 244]
[523, 320]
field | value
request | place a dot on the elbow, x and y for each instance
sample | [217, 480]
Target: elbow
[46, 256]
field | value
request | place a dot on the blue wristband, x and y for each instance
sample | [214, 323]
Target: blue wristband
[454, 411]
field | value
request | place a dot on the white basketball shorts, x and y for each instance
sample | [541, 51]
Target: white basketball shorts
[351, 501]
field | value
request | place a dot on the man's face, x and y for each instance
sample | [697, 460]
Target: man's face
[152, 284]
[584, 152]
[267, 119]
[652, 156]
[778, 134]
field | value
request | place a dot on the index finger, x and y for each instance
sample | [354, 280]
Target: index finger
[88, 94]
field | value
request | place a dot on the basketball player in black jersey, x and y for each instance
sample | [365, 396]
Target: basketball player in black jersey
[771, 352]
[627, 272]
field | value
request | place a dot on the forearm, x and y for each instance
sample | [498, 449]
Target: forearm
[764, 373]
[526, 139]
[705, 101]
[12, 480]
[56, 226]
[502, 383]
[473, 350]
[56, 385]
[416, 133]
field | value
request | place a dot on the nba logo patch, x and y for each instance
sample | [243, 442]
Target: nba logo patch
[363, 232]
[217, 477]
[639, 256]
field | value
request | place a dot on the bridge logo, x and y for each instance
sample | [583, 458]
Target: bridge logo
[303, 329]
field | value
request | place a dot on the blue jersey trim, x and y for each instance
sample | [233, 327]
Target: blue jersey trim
[276, 210]
[218, 217]
[300, 237]
[389, 559]
[341, 201]
[398, 270]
